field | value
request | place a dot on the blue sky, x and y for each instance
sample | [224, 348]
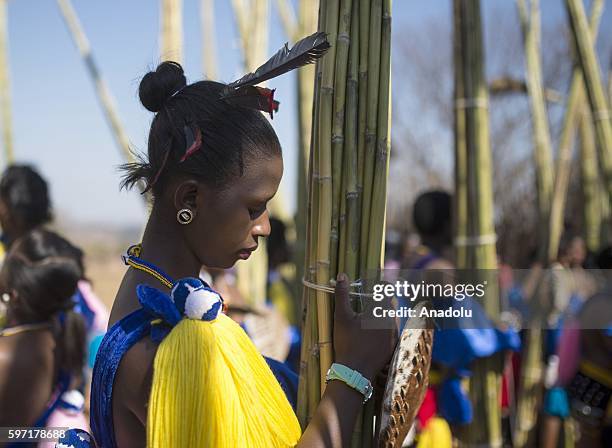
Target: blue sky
[59, 126]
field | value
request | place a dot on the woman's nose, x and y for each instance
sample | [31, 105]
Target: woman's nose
[262, 226]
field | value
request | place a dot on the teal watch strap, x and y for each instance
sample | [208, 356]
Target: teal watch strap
[352, 378]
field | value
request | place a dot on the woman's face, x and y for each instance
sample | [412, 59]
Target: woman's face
[228, 224]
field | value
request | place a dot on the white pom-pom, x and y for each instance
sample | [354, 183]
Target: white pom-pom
[74, 398]
[201, 301]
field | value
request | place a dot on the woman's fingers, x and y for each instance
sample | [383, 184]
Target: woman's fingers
[343, 306]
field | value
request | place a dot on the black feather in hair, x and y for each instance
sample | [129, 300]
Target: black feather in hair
[304, 52]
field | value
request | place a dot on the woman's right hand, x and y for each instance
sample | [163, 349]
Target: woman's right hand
[361, 349]
[366, 351]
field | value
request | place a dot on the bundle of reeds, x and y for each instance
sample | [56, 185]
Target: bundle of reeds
[475, 234]
[551, 205]
[347, 178]
[573, 119]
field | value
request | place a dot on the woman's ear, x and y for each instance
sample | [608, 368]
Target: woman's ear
[186, 195]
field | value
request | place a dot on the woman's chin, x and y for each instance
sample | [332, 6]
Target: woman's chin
[226, 263]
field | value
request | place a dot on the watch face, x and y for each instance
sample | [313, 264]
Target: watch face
[368, 392]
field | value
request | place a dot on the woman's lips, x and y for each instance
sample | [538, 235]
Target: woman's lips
[246, 253]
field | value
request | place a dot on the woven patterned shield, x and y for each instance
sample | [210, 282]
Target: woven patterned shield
[406, 383]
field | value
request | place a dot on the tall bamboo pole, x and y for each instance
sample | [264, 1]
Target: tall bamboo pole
[594, 87]
[530, 25]
[241, 10]
[104, 96]
[337, 137]
[375, 254]
[307, 24]
[375, 249]
[288, 18]
[484, 389]
[309, 381]
[259, 37]
[460, 145]
[531, 368]
[364, 59]
[5, 89]
[323, 274]
[564, 157]
[209, 40]
[310, 378]
[296, 26]
[349, 235]
[171, 30]
[610, 84]
[252, 17]
[590, 182]
[371, 123]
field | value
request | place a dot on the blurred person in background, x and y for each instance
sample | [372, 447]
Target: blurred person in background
[279, 289]
[456, 344]
[569, 285]
[25, 204]
[42, 350]
[584, 354]
[280, 294]
[432, 219]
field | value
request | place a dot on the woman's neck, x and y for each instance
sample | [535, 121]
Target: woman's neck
[164, 247]
[14, 318]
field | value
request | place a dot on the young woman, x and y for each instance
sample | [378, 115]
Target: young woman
[212, 167]
[42, 350]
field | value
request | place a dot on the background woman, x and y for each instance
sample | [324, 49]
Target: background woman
[42, 350]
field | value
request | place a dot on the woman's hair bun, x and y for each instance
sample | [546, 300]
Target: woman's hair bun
[158, 86]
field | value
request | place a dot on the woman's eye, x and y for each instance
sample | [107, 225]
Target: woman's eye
[256, 212]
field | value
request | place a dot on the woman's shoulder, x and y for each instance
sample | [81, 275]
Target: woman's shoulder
[28, 351]
[27, 367]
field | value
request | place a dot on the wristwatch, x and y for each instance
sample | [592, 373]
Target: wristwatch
[352, 378]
